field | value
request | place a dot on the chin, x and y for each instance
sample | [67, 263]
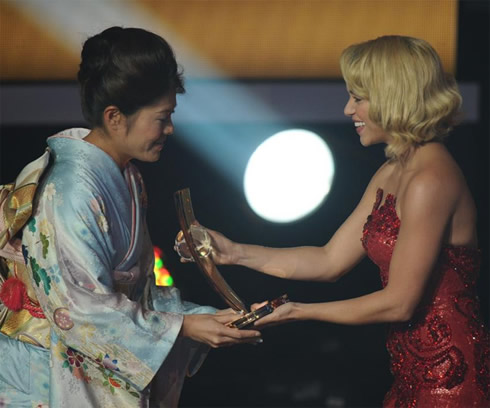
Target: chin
[150, 158]
[365, 143]
[370, 141]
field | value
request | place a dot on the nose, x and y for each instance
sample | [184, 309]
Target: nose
[349, 107]
[168, 130]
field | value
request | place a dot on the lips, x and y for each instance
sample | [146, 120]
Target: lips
[158, 146]
[160, 142]
[359, 126]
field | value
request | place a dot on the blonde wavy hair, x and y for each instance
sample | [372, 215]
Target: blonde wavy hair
[410, 96]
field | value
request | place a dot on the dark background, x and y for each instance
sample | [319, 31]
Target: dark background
[304, 364]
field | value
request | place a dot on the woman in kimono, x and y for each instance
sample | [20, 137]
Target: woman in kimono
[84, 324]
[416, 221]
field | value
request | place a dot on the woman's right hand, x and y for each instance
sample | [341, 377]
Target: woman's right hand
[223, 249]
[213, 331]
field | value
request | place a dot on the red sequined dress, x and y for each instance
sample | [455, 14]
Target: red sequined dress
[440, 358]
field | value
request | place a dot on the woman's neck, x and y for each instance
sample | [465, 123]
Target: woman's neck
[100, 138]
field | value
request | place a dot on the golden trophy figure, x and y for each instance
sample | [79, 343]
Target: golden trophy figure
[194, 243]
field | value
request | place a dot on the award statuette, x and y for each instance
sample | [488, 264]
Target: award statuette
[194, 243]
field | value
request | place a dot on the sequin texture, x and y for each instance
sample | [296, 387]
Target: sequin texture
[440, 358]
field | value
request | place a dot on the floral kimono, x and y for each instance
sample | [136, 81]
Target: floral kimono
[104, 335]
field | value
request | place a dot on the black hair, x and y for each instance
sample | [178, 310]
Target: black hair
[126, 67]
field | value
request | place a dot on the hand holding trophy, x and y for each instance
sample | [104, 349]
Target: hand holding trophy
[193, 243]
[201, 239]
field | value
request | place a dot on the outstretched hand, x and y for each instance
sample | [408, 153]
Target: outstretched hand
[281, 314]
[223, 252]
[212, 330]
[223, 249]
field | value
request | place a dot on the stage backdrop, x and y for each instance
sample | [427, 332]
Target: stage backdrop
[41, 39]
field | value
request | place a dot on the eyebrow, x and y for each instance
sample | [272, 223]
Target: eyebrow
[165, 110]
[352, 93]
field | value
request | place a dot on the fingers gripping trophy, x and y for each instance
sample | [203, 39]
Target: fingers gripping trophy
[193, 243]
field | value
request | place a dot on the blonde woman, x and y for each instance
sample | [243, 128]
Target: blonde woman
[416, 221]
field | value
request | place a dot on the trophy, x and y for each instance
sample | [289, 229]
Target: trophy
[193, 243]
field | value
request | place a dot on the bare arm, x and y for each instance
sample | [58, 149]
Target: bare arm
[326, 263]
[427, 207]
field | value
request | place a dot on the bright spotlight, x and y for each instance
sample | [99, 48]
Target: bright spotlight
[289, 175]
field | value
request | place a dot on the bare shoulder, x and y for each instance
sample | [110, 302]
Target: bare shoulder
[433, 176]
[435, 189]
[435, 167]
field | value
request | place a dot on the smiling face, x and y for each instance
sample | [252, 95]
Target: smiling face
[140, 136]
[147, 130]
[358, 110]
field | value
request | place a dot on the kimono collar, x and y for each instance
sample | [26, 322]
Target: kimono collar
[69, 145]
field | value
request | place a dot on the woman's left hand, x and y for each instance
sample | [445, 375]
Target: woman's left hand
[282, 314]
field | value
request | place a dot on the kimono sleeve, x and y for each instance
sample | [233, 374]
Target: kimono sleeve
[168, 298]
[70, 251]
[164, 298]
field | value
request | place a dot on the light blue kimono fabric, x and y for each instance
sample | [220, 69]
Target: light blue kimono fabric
[91, 258]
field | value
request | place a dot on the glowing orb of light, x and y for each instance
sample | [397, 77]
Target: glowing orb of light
[289, 175]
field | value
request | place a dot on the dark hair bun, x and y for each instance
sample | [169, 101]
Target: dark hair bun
[126, 67]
